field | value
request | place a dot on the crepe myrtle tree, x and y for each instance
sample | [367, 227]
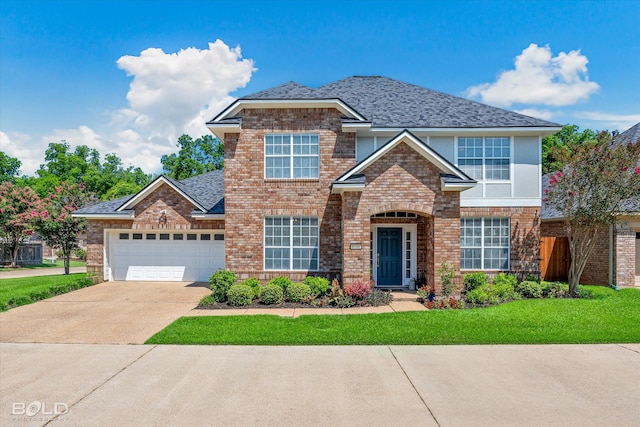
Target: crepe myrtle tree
[56, 225]
[590, 193]
[18, 211]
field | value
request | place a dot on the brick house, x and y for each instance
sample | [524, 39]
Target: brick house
[365, 177]
[616, 258]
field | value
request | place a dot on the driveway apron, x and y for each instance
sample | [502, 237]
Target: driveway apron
[107, 313]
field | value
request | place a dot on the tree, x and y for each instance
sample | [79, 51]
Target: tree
[195, 157]
[18, 210]
[590, 193]
[563, 143]
[56, 225]
[9, 167]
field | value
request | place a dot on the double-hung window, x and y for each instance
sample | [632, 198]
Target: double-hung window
[485, 158]
[484, 243]
[291, 156]
[291, 243]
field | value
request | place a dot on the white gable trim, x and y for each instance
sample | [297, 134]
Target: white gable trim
[240, 104]
[413, 142]
[153, 187]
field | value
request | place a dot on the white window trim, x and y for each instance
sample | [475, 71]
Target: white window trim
[291, 155]
[291, 246]
[413, 229]
[482, 246]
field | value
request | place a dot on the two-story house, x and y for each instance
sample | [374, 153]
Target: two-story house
[365, 177]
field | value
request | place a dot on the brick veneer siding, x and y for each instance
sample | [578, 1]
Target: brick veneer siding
[596, 270]
[524, 257]
[249, 197]
[147, 214]
[625, 256]
[401, 180]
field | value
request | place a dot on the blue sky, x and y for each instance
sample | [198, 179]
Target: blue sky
[130, 76]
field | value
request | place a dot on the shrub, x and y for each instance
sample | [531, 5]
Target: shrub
[220, 282]
[58, 290]
[40, 295]
[318, 285]
[282, 282]
[239, 295]
[529, 289]
[255, 286]
[474, 280]
[345, 301]
[206, 301]
[378, 297]
[271, 294]
[504, 286]
[478, 296]
[18, 301]
[423, 293]
[3, 306]
[448, 275]
[358, 289]
[584, 292]
[555, 289]
[80, 253]
[298, 292]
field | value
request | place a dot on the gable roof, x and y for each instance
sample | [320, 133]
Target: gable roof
[389, 103]
[630, 135]
[451, 177]
[205, 192]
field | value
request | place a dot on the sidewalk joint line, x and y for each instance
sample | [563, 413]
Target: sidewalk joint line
[99, 386]
[414, 387]
[627, 348]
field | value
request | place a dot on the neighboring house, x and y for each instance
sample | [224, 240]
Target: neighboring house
[615, 259]
[366, 177]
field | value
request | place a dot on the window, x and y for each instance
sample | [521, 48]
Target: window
[485, 158]
[178, 237]
[192, 236]
[291, 156]
[291, 243]
[151, 237]
[164, 236]
[137, 236]
[484, 243]
[124, 236]
[218, 237]
[205, 237]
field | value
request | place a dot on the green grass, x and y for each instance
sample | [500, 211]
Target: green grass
[25, 290]
[610, 317]
[58, 263]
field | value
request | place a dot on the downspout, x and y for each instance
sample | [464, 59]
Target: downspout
[611, 256]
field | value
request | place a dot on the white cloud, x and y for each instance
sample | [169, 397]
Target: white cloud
[539, 114]
[170, 94]
[540, 78]
[608, 121]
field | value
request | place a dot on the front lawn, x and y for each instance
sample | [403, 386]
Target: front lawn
[609, 317]
[25, 290]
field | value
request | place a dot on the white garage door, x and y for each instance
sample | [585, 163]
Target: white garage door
[167, 256]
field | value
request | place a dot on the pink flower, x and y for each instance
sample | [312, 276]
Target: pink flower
[637, 170]
[546, 191]
[559, 174]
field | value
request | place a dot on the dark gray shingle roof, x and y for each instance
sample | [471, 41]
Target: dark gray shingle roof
[392, 103]
[630, 135]
[206, 189]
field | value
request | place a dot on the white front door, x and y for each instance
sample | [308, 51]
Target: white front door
[165, 256]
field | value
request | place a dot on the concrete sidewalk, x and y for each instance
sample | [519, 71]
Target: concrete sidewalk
[139, 385]
[48, 271]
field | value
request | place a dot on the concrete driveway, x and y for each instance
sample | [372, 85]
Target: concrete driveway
[143, 385]
[106, 313]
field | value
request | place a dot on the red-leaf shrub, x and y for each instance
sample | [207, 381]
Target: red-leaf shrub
[358, 289]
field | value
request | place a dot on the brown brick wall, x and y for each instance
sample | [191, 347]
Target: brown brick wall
[147, 214]
[625, 244]
[249, 197]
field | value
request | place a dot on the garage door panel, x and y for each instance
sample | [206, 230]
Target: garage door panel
[166, 260]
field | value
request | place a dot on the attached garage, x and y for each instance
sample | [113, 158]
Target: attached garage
[165, 255]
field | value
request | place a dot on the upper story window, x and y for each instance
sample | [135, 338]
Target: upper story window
[485, 158]
[291, 156]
